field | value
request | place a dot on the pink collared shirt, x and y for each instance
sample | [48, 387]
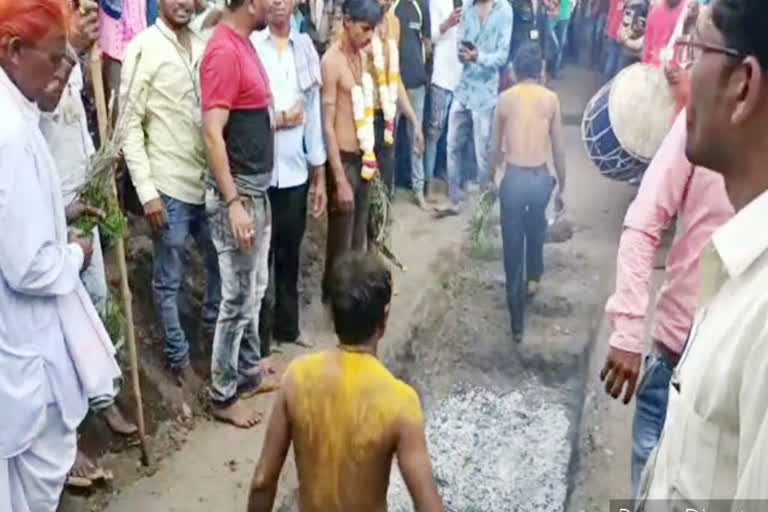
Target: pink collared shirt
[671, 187]
[114, 35]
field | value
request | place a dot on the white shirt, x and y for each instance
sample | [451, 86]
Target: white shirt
[302, 146]
[447, 66]
[715, 439]
[66, 130]
[36, 268]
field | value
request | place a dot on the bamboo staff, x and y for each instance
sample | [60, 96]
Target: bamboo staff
[97, 79]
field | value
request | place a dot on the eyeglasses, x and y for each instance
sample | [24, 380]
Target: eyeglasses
[689, 51]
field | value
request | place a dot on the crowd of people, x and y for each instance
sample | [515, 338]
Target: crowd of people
[240, 120]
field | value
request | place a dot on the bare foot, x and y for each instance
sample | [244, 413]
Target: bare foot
[117, 422]
[82, 472]
[238, 414]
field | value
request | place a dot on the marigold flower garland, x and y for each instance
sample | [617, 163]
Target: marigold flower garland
[362, 108]
[388, 76]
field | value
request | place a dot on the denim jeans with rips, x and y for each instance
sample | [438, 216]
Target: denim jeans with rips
[183, 220]
[244, 279]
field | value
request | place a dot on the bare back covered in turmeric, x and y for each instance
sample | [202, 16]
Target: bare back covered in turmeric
[345, 411]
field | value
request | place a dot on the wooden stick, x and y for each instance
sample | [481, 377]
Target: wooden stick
[99, 95]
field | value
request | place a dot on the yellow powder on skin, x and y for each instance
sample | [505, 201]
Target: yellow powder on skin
[343, 404]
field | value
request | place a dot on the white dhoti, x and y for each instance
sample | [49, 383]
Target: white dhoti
[32, 481]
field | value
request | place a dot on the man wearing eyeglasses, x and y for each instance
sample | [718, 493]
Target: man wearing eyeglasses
[715, 440]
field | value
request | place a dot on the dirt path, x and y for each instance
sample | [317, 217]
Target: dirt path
[213, 469]
[449, 328]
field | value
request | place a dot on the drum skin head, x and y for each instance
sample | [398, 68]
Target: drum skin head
[601, 143]
[641, 109]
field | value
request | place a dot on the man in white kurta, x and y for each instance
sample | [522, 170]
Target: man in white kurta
[54, 351]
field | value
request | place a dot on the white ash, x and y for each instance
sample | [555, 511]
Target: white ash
[493, 453]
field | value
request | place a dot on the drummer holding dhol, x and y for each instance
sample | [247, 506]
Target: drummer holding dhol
[527, 126]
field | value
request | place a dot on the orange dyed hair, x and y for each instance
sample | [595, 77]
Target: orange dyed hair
[31, 20]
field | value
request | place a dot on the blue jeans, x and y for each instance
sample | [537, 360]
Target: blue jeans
[613, 58]
[464, 123]
[650, 413]
[561, 33]
[523, 197]
[437, 117]
[183, 220]
[416, 97]
[244, 279]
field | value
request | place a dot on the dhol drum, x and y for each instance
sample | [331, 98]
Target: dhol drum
[626, 121]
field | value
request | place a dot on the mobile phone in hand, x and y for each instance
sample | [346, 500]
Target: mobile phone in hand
[458, 4]
[469, 45]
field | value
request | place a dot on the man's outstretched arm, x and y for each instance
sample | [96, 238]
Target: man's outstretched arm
[273, 453]
[416, 468]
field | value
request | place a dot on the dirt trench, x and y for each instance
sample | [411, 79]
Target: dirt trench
[502, 420]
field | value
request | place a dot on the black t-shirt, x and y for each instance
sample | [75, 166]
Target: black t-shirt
[414, 29]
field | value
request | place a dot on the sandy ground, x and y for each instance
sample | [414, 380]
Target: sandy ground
[449, 337]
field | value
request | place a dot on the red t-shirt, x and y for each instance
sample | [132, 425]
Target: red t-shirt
[615, 17]
[660, 26]
[231, 74]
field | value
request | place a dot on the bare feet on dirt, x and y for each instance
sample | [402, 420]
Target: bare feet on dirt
[115, 420]
[238, 414]
[85, 472]
[82, 472]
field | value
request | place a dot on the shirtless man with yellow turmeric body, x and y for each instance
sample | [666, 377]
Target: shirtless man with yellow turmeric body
[345, 414]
